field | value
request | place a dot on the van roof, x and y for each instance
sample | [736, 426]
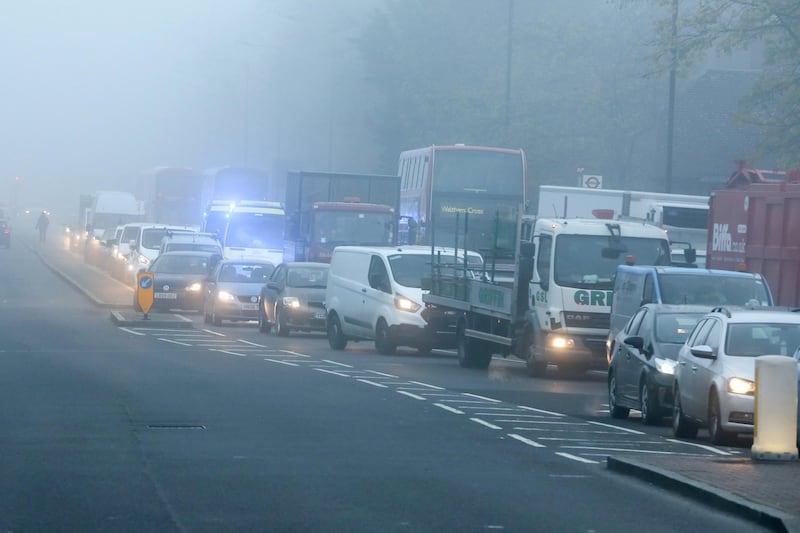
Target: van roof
[410, 249]
[681, 271]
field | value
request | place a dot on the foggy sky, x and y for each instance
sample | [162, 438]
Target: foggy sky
[96, 92]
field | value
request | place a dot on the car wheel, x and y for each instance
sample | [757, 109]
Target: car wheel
[281, 329]
[615, 410]
[424, 349]
[263, 324]
[383, 340]
[681, 427]
[217, 321]
[534, 367]
[716, 434]
[648, 405]
[206, 315]
[336, 338]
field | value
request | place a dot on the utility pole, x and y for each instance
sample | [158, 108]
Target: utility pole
[508, 63]
[671, 106]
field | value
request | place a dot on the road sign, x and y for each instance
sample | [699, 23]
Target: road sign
[591, 181]
[144, 291]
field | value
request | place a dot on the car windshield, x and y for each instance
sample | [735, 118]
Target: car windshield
[307, 277]
[152, 237]
[246, 272]
[674, 328]
[181, 264]
[762, 338]
[363, 227]
[255, 230]
[711, 290]
[409, 269]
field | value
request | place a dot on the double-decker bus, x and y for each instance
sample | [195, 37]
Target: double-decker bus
[464, 196]
[172, 195]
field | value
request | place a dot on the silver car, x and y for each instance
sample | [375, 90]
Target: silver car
[715, 376]
[233, 288]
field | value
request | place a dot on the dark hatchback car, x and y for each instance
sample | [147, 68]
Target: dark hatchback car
[5, 234]
[642, 369]
[233, 289]
[179, 280]
[294, 298]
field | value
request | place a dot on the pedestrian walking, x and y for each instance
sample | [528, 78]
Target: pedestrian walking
[41, 225]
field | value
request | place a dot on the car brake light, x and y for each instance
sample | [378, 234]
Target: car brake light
[6, 231]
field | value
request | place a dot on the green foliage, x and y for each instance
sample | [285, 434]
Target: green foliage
[773, 104]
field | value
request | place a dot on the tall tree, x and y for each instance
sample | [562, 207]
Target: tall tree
[773, 103]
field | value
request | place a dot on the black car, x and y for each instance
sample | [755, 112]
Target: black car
[294, 298]
[642, 367]
[179, 280]
[5, 234]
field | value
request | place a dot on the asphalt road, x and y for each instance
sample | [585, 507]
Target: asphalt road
[227, 429]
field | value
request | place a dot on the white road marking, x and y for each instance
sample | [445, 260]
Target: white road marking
[427, 385]
[374, 384]
[460, 400]
[562, 439]
[493, 409]
[702, 446]
[529, 442]
[294, 353]
[228, 352]
[381, 374]
[174, 342]
[133, 332]
[600, 448]
[251, 343]
[287, 363]
[410, 395]
[550, 422]
[331, 372]
[448, 408]
[485, 423]
[481, 397]
[336, 363]
[540, 410]
[617, 428]
[576, 458]
[214, 333]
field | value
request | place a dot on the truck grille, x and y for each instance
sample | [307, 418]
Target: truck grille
[576, 319]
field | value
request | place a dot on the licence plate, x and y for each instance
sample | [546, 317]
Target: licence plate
[319, 315]
[166, 295]
[249, 307]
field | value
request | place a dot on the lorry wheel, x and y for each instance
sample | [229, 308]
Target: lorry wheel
[336, 338]
[471, 352]
[383, 339]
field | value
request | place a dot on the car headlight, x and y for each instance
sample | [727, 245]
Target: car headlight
[225, 296]
[561, 342]
[406, 304]
[665, 366]
[290, 301]
[143, 260]
[194, 287]
[741, 386]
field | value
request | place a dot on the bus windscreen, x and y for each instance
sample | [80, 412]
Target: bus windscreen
[476, 171]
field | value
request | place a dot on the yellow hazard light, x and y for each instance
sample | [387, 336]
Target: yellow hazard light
[630, 260]
[741, 267]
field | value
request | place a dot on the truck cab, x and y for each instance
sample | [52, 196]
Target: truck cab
[571, 292]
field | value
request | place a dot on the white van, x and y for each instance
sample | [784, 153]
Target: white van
[190, 242]
[141, 243]
[375, 293]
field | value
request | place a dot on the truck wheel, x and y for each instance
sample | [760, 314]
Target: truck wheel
[336, 338]
[383, 339]
[535, 367]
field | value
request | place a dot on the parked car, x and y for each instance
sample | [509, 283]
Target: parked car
[642, 367]
[294, 298]
[232, 290]
[715, 376]
[5, 234]
[179, 280]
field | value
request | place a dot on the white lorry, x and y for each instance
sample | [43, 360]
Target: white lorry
[557, 309]
[684, 216]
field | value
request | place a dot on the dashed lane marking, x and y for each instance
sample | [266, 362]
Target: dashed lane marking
[627, 430]
[481, 397]
[485, 423]
[529, 442]
[427, 385]
[132, 331]
[251, 343]
[449, 409]
[526, 408]
[329, 372]
[229, 352]
[577, 458]
[410, 395]
[373, 383]
[337, 363]
[218, 334]
[174, 342]
[701, 446]
[287, 363]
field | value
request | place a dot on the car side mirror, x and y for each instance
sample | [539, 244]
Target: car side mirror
[703, 352]
[132, 244]
[274, 286]
[636, 342]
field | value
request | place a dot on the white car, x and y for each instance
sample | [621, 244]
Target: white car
[715, 377]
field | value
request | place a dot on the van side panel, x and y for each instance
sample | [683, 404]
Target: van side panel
[346, 279]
